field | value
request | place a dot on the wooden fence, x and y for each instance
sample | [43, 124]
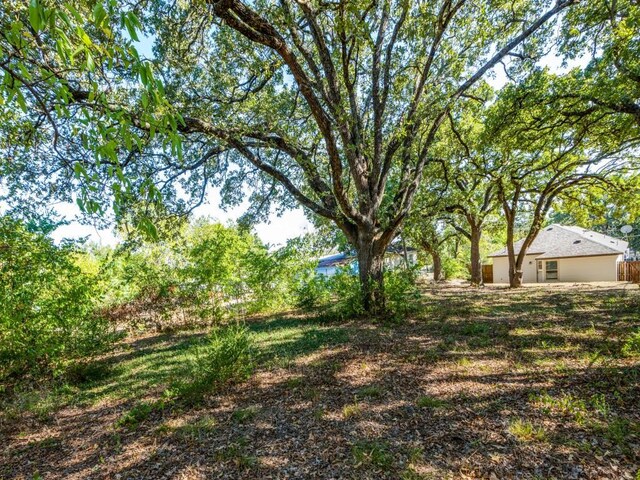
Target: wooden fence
[487, 273]
[629, 272]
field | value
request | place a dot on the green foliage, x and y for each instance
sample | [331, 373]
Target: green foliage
[338, 296]
[525, 431]
[139, 413]
[403, 296]
[426, 401]
[245, 414]
[313, 293]
[47, 305]
[631, 346]
[372, 454]
[454, 268]
[206, 273]
[226, 356]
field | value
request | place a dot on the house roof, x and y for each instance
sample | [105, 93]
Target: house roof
[341, 259]
[336, 260]
[559, 241]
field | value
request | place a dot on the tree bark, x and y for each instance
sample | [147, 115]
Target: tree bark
[476, 261]
[371, 273]
[515, 261]
[437, 266]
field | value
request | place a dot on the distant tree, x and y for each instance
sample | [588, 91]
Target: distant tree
[604, 210]
[538, 156]
[335, 106]
[472, 195]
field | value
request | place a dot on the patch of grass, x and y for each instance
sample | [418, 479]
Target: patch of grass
[464, 362]
[476, 329]
[245, 414]
[352, 410]
[198, 430]
[599, 403]
[565, 403]
[82, 373]
[415, 454]
[426, 401]
[631, 345]
[236, 453]
[370, 391]
[372, 453]
[294, 383]
[311, 393]
[138, 414]
[281, 340]
[525, 431]
[46, 443]
[619, 431]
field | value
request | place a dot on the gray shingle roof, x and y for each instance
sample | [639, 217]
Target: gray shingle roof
[558, 241]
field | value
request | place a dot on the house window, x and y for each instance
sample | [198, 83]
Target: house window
[552, 270]
[539, 264]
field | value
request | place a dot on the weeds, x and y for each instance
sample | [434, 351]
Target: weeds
[371, 391]
[426, 401]
[139, 413]
[525, 431]
[227, 356]
[245, 414]
[372, 453]
[352, 410]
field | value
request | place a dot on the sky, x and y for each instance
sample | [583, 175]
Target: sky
[275, 232]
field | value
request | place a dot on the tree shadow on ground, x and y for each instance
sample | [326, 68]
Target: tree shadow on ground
[472, 392]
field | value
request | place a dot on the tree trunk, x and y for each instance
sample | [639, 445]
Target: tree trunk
[476, 261]
[437, 266]
[370, 270]
[515, 276]
[515, 262]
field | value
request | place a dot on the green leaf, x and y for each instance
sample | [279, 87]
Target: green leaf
[35, 15]
[99, 14]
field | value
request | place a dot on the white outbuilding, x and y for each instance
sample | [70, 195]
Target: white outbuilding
[565, 254]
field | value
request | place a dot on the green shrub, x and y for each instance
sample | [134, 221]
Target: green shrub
[313, 293]
[346, 298]
[47, 305]
[401, 291]
[454, 268]
[226, 356]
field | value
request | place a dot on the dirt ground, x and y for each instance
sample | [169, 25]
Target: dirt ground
[485, 383]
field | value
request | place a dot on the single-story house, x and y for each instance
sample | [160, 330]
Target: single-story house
[394, 257]
[565, 254]
[330, 264]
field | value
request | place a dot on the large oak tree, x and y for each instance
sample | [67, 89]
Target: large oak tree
[333, 105]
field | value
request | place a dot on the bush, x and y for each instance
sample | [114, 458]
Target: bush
[313, 293]
[226, 356]
[339, 297]
[454, 268]
[401, 290]
[47, 305]
[346, 301]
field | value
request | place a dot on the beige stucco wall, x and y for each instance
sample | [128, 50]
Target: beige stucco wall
[588, 269]
[501, 269]
[578, 269]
